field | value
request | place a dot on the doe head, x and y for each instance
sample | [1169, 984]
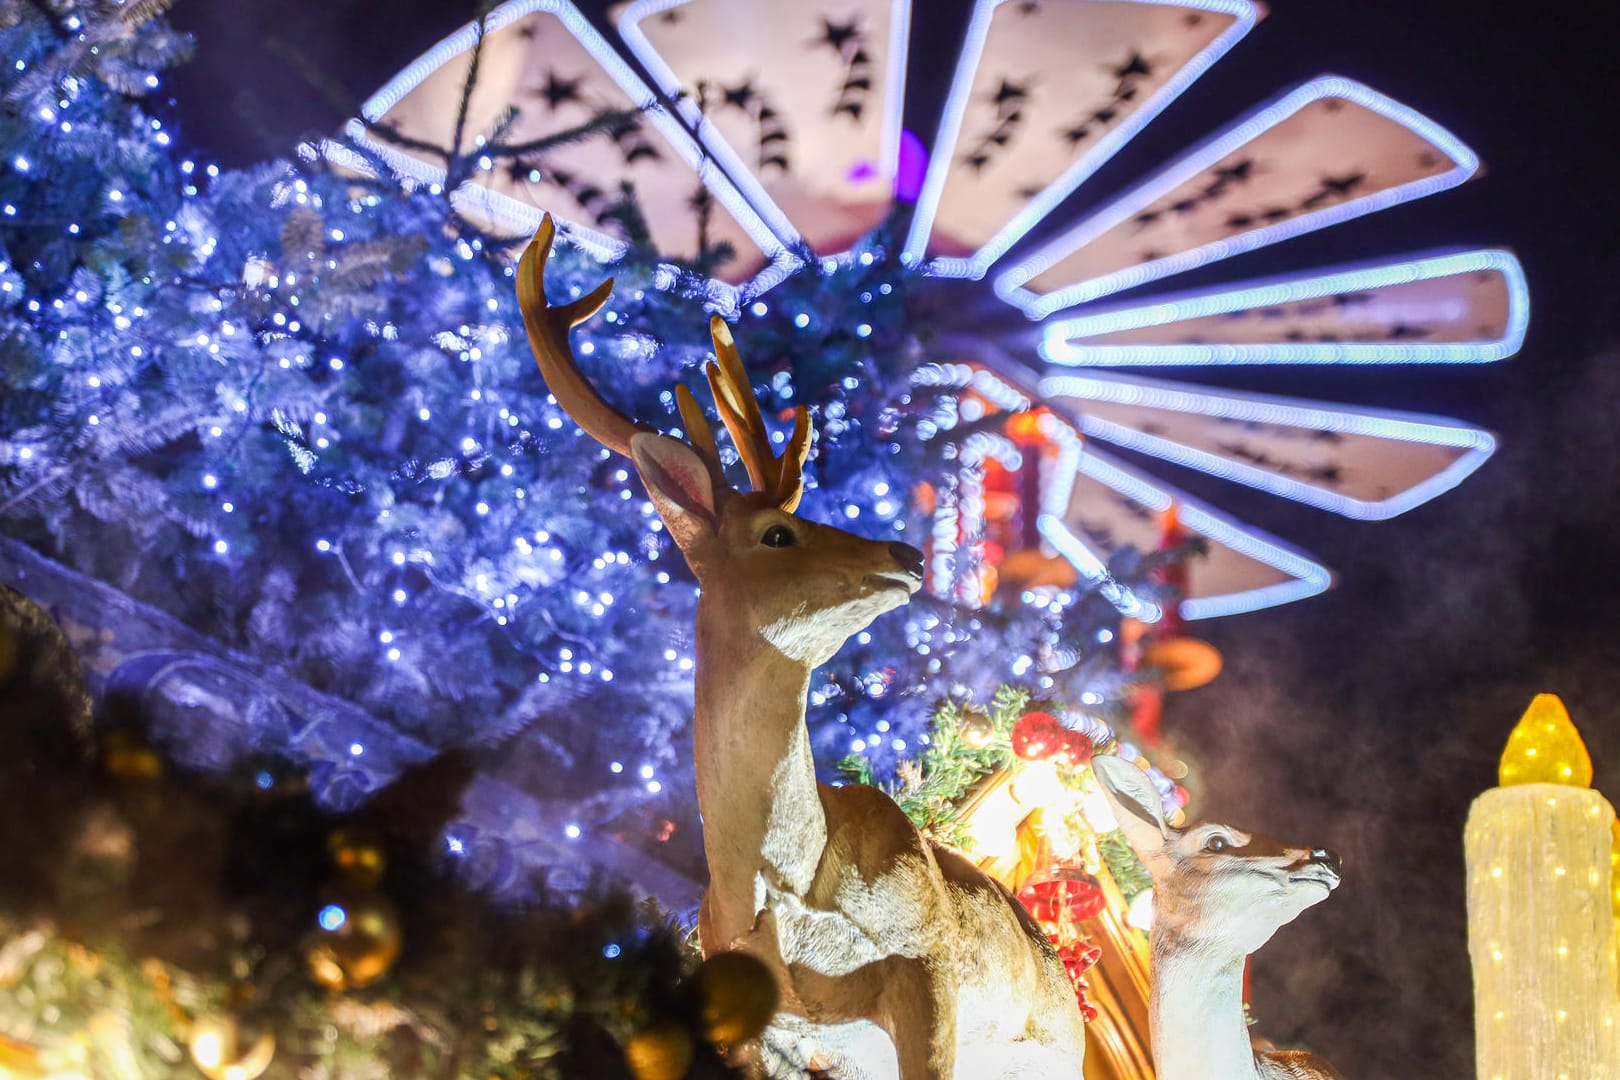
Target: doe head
[1214, 886]
[802, 586]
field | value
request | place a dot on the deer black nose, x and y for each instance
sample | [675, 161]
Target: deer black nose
[909, 558]
[1328, 859]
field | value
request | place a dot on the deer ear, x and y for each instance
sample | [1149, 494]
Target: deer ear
[681, 486]
[1136, 805]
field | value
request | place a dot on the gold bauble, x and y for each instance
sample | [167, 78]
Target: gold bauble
[358, 857]
[977, 729]
[1545, 748]
[738, 996]
[663, 1052]
[215, 1042]
[357, 939]
[126, 756]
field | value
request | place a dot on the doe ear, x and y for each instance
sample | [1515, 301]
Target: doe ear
[680, 484]
[1136, 805]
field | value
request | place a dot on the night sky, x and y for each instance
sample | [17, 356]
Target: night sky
[1366, 719]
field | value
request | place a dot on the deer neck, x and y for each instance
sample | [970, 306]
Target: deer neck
[763, 824]
[1198, 1026]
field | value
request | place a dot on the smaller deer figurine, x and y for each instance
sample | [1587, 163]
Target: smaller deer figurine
[893, 954]
[1218, 895]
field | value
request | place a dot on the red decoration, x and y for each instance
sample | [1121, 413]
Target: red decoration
[1079, 957]
[1052, 900]
[1038, 735]
[1024, 428]
[1076, 750]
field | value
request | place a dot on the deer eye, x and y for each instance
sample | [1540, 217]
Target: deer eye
[1217, 843]
[778, 536]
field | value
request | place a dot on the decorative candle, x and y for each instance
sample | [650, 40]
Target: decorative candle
[1541, 927]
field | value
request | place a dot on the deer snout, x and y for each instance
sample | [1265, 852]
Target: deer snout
[1323, 857]
[1319, 866]
[909, 558]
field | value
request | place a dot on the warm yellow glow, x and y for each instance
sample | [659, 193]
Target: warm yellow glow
[207, 1049]
[1139, 915]
[992, 828]
[1614, 868]
[1037, 784]
[1062, 839]
[1545, 748]
[218, 1055]
[1541, 938]
[1098, 814]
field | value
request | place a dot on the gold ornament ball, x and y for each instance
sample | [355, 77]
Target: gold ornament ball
[126, 756]
[738, 995]
[977, 729]
[663, 1052]
[215, 1043]
[357, 941]
[358, 857]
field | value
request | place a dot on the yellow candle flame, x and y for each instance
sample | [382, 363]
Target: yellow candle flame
[1545, 748]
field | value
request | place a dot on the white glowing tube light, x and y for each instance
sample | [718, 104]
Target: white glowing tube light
[894, 91]
[521, 216]
[1308, 577]
[1477, 445]
[1075, 459]
[1010, 284]
[1246, 14]
[1063, 341]
[1095, 573]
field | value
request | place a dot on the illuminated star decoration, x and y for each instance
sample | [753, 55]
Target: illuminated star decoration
[1008, 99]
[846, 40]
[560, 91]
[837, 35]
[1128, 74]
[742, 96]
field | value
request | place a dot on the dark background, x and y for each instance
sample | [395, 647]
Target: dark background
[1366, 719]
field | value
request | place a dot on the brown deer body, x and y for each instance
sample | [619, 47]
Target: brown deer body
[1219, 894]
[869, 927]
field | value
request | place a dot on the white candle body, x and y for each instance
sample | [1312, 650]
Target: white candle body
[1541, 933]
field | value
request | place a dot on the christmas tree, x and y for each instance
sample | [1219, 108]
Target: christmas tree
[291, 406]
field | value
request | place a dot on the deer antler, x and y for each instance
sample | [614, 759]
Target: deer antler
[548, 328]
[781, 480]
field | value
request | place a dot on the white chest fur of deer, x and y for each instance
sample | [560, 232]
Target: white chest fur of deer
[870, 928]
[1218, 895]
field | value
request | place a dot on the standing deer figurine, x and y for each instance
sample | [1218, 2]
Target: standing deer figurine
[869, 927]
[1218, 895]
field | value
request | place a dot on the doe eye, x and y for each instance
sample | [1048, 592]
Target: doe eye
[778, 536]
[1217, 843]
